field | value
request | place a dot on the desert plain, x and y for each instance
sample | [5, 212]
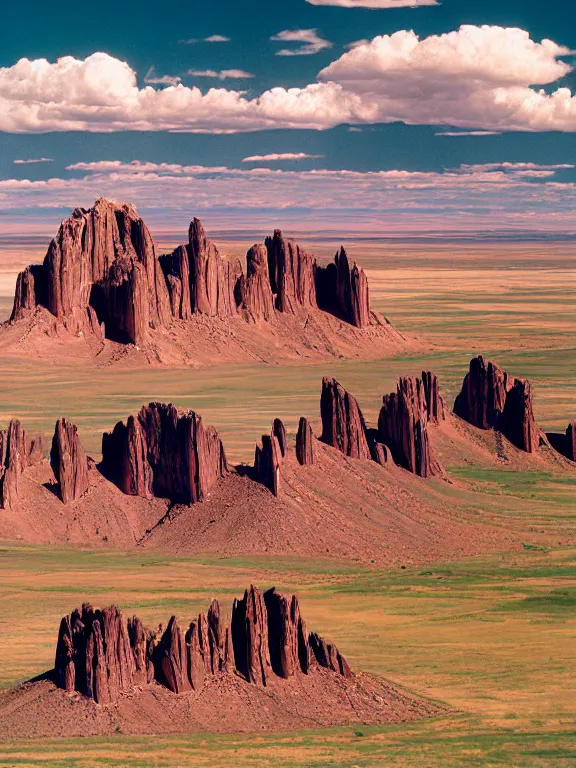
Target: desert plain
[493, 636]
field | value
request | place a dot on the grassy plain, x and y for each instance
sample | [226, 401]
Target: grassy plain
[494, 637]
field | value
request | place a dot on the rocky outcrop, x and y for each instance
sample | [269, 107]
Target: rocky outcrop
[291, 272]
[16, 453]
[98, 656]
[492, 399]
[343, 291]
[517, 421]
[102, 277]
[483, 395]
[268, 458]
[254, 289]
[212, 278]
[279, 432]
[69, 462]
[101, 657]
[250, 637]
[434, 403]
[287, 637]
[305, 442]
[402, 426]
[380, 453]
[343, 425]
[564, 443]
[160, 452]
[327, 655]
[102, 263]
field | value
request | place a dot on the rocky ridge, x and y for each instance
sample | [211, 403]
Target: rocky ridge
[101, 656]
[160, 452]
[102, 277]
[17, 452]
[492, 399]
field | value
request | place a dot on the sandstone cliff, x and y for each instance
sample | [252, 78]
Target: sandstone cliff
[305, 442]
[403, 425]
[343, 425]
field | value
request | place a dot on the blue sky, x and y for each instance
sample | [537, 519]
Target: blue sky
[352, 111]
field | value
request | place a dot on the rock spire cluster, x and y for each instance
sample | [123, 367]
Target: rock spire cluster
[101, 656]
[16, 453]
[102, 276]
[403, 422]
[160, 452]
[269, 457]
[492, 399]
[402, 425]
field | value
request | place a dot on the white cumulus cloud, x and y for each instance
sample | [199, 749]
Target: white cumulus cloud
[485, 79]
[310, 40]
[276, 156]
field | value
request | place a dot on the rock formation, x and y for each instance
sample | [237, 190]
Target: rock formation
[254, 290]
[100, 656]
[492, 399]
[199, 280]
[402, 425]
[380, 453]
[305, 442]
[101, 267]
[291, 272]
[279, 432]
[288, 640]
[268, 458]
[517, 421]
[434, 402]
[103, 277]
[344, 291]
[69, 462]
[16, 453]
[343, 425]
[564, 443]
[162, 453]
[483, 395]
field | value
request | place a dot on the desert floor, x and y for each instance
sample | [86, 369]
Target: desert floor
[494, 637]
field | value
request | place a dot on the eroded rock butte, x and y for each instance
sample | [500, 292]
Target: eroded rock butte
[102, 276]
[492, 399]
[101, 656]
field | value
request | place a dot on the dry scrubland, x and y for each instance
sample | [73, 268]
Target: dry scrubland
[494, 637]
